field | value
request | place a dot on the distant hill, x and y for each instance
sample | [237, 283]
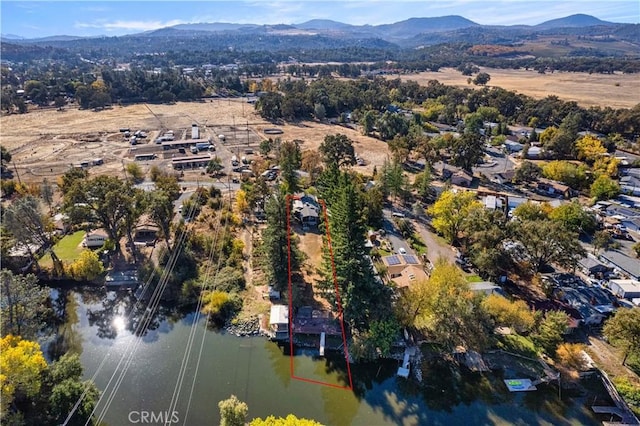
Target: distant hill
[213, 26]
[56, 38]
[414, 26]
[323, 24]
[11, 37]
[579, 20]
[329, 40]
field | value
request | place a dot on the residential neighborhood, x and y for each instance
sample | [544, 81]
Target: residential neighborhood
[345, 238]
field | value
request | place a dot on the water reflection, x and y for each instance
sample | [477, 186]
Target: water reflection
[63, 327]
[119, 323]
[258, 371]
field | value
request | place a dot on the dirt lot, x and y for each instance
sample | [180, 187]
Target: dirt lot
[586, 89]
[311, 245]
[45, 143]
[311, 133]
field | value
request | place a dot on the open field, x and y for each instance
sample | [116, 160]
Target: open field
[583, 88]
[312, 133]
[44, 144]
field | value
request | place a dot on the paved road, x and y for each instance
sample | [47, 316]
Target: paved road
[436, 248]
[392, 234]
[149, 186]
[497, 162]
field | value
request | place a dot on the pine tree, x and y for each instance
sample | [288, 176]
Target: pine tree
[276, 242]
[362, 297]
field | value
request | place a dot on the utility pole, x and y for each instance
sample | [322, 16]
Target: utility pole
[124, 170]
[17, 174]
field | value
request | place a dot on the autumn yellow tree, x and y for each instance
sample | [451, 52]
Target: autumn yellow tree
[290, 420]
[451, 210]
[242, 206]
[267, 85]
[548, 135]
[216, 303]
[606, 166]
[590, 148]
[570, 355]
[21, 366]
[445, 310]
[533, 211]
[514, 314]
[233, 412]
[87, 267]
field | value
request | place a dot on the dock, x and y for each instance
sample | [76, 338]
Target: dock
[404, 369]
[322, 342]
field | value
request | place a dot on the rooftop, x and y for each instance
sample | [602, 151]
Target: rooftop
[626, 264]
[279, 314]
[400, 259]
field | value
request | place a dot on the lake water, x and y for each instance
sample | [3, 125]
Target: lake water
[258, 372]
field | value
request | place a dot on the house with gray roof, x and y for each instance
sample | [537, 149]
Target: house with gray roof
[306, 209]
[622, 262]
[591, 266]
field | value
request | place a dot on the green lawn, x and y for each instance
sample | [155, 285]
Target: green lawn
[517, 344]
[474, 278]
[68, 249]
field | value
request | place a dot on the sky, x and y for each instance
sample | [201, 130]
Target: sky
[33, 19]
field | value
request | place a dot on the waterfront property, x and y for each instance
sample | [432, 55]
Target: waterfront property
[404, 269]
[315, 322]
[279, 322]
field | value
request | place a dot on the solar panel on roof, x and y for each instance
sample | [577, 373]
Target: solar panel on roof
[393, 260]
[410, 259]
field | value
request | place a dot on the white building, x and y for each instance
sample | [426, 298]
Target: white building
[626, 289]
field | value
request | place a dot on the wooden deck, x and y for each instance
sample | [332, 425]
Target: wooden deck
[328, 326]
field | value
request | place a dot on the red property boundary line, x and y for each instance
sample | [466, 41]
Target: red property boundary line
[289, 198]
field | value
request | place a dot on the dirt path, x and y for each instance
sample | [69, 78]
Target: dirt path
[609, 359]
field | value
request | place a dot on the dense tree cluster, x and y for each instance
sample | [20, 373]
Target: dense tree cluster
[369, 100]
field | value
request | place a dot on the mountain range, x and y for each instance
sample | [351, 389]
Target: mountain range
[396, 32]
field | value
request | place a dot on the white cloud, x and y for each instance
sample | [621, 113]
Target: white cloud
[129, 25]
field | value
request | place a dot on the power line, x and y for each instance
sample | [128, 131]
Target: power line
[185, 359]
[143, 325]
[107, 355]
